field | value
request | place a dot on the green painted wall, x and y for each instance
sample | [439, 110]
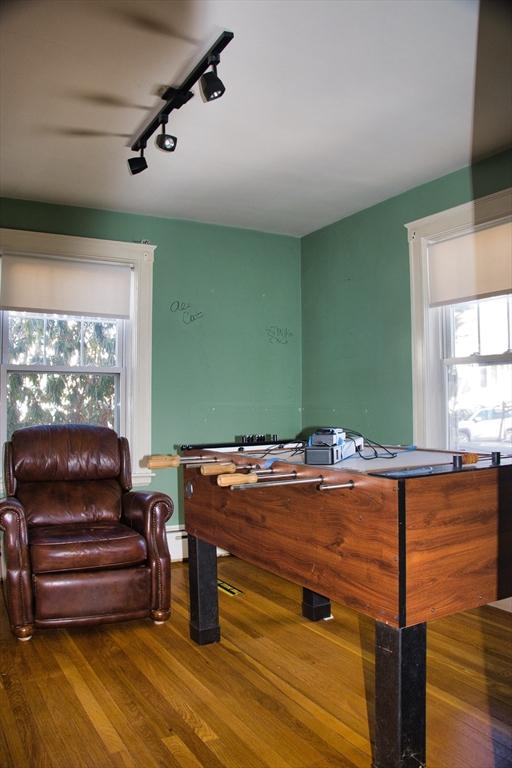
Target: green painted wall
[236, 369]
[356, 306]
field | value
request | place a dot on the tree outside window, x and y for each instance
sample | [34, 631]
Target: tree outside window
[61, 369]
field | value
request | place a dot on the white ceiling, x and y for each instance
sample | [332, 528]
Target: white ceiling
[330, 105]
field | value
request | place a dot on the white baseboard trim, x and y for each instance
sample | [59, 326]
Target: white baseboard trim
[177, 541]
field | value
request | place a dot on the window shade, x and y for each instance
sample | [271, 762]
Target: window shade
[63, 286]
[471, 266]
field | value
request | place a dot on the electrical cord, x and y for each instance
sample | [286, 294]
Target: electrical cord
[373, 445]
[276, 449]
[300, 447]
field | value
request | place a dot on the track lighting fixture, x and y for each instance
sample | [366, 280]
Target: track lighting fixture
[165, 141]
[138, 164]
[211, 87]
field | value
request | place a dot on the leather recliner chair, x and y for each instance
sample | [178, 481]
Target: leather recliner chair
[79, 546]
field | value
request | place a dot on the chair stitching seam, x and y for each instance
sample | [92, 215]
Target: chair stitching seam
[158, 564]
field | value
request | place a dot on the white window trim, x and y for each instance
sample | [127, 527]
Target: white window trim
[428, 432]
[140, 257]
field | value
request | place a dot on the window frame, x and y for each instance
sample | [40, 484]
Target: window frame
[138, 334]
[428, 379]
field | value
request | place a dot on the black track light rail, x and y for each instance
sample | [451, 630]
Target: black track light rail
[176, 97]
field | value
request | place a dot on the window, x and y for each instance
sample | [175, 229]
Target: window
[76, 335]
[62, 369]
[477, 365]
[461, 285]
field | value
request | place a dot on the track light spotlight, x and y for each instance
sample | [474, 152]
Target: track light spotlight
[137, 164]
[165, 141]
[175, 97]
[212, 86]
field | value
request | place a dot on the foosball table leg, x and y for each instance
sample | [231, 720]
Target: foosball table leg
[314, 606]
[400, 696]
[204, 601]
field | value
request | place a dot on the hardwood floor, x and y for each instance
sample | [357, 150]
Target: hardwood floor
[277, 692]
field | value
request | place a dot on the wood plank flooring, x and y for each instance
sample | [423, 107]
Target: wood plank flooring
[277, 692]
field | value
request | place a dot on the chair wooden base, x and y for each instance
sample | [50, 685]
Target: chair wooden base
[24, 633]
[160, 617]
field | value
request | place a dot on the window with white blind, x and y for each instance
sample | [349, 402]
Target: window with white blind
[76, 335]
[461, 286]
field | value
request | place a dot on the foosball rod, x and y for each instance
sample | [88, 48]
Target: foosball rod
[296, 481]
[249, 478]
[164, 461]
[253, 469]
[231, 467]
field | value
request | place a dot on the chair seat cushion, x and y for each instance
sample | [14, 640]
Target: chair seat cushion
[86, 546]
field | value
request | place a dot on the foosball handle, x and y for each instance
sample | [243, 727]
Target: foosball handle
[163, 461]
[218, 469]
[469, 458]
[236, 479]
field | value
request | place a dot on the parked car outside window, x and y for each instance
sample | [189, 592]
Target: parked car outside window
[487, 424]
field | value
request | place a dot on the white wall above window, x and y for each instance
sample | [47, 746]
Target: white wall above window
[139, 258]
[429, 396]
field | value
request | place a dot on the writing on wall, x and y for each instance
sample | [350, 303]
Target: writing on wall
[278, 335]
[185, 311]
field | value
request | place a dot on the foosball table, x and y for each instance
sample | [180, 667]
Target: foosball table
[407, 537]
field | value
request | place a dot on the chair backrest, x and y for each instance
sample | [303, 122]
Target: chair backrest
[68, 473]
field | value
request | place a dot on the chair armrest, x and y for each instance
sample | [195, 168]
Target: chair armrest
[146, 511]
[16, 570]
[14, 526]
